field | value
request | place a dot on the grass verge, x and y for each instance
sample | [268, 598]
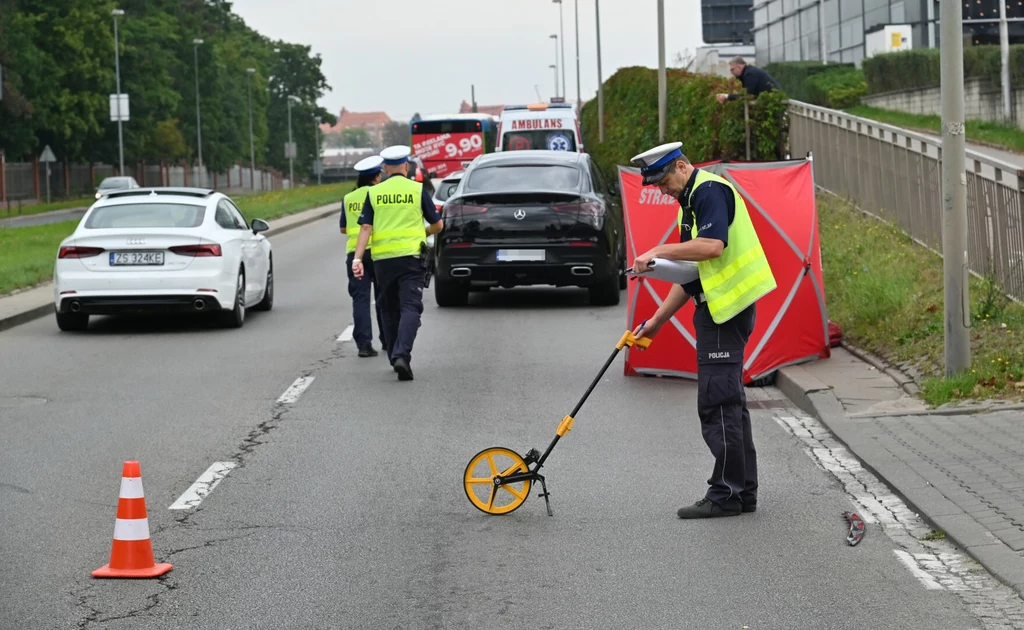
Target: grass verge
[27, 253]
[886, 294]
[11, 209]
[1010, 138]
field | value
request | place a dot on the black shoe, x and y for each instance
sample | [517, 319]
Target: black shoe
[705, 508]
[367, 351]
[403, 369]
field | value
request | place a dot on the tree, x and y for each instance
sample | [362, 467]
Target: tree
[684, 60]
[168, 142]
[396, 132]
[355, 137]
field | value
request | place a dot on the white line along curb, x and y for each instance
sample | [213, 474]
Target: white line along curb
[203, 486]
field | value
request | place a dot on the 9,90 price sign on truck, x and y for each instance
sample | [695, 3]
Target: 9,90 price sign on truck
[447, 144]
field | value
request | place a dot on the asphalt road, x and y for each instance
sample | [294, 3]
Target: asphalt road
[346, 507]
[43, 218]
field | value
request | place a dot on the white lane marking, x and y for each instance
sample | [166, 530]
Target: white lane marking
[346, 335]
[923, 576]
[203, 486]
[946, 567]
[292, 394]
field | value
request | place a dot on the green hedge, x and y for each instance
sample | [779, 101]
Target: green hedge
[708, 130]
[793, 76]
[838, 89]
[921, 67]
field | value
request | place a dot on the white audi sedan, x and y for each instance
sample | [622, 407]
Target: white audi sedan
[158, 250]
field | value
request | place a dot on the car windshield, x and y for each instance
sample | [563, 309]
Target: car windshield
[553, 140]
[115, 182]
[524, 177]
[445, 189]
[146, 215]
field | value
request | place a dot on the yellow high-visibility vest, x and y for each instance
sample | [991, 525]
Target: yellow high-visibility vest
[397, 218]
[353, 208]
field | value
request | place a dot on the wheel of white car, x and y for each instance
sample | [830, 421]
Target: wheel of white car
[235, 318]
[267, 302]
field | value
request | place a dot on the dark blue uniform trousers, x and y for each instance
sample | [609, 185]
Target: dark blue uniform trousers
[722, 407]
[401, 281]
[359, 291]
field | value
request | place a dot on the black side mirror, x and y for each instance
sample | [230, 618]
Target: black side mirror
[615, 188]
[259, 225]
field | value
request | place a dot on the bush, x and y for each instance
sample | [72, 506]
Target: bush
[793, 76]
[708, 130]
[922, 67]
[837, 88]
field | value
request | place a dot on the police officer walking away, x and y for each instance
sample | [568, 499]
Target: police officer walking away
[359, 288]
[715, 231]
[394, 215]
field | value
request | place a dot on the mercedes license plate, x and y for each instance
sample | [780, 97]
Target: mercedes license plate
[136, 258]
[521, 255]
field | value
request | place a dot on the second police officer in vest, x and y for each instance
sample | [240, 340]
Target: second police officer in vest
[717, 234]
[359, 288]
[394, 214]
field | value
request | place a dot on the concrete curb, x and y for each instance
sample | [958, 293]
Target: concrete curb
[818, 400]
[289, 222]
[905, 382]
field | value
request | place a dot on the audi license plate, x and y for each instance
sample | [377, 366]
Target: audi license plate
[521, 255]
[136, 258]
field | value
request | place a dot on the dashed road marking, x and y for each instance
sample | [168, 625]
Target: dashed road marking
[292, 394]
[203, 486]
[346, 335]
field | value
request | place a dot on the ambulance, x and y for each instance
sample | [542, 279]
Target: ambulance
[550, 127]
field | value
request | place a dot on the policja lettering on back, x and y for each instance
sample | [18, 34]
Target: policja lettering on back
[393, 216]
[733, 274]
[359, 288]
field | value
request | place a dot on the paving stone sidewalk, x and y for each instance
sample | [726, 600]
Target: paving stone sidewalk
[962, 469]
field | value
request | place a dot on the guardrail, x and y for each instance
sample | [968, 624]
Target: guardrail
[896, 175]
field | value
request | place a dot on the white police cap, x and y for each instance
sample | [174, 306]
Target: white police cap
[369, 165]
[394, 155]
[654, 164]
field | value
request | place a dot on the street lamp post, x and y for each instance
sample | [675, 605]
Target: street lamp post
[199, 134]
[319, 165]
[561, 38]
[252, 142]
[600, 82]
[117, 70]
[662, 83]
[555, 68]
[555, 37]
[579, 98]
[291, 152]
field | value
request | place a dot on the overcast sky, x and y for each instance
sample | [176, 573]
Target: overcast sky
[402, 57]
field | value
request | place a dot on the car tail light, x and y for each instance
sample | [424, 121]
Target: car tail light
[459, 245]
[197, 250]
[463, 209]
[79, 252]
[582, 244]
[586, 208]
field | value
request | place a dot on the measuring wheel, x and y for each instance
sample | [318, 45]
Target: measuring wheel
[483, 486]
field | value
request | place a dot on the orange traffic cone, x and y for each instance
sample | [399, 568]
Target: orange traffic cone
[132, 554]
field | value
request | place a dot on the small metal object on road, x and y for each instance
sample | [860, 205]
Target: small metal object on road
[856, 530]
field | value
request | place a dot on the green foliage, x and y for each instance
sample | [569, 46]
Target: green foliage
[837, 88]
[794, 76]
[921, 67]
[58, 59]
[708, 130]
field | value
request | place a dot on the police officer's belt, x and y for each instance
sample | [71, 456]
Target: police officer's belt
[700, 298]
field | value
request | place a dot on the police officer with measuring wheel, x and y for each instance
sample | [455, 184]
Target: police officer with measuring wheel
[359, 288]
[394, 215]
[716, 232]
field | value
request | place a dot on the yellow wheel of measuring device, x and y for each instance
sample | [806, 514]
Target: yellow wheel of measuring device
[479, 481]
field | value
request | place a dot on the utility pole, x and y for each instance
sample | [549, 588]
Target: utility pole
[291, 149]
[600, 81]
[555, 37]
[472, 92]
[662, 82]
[1004, 54]
[561, 38]
[579, 100]
[117, 69]
[252, 142]
[199, 133]
[954, 192]
[555, 68]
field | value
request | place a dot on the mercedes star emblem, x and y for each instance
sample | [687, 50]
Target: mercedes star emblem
[520, 214]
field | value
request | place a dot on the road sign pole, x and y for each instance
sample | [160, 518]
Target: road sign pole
[662, 83]
[117, 67]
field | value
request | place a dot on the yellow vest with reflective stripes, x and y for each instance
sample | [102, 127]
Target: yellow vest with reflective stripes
[353, 208]
[741, 275]
[397, 218]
